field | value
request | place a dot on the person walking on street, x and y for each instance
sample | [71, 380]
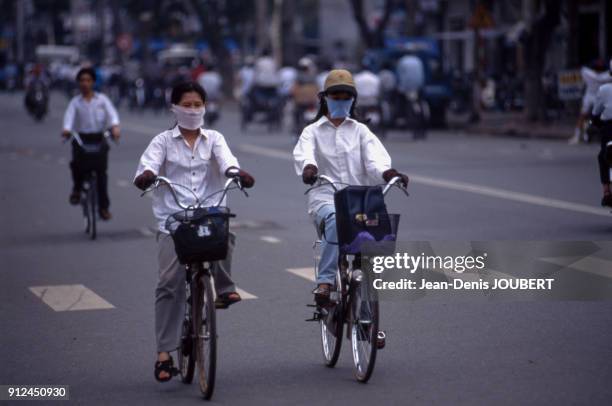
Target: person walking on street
[338, 146]
[593, 77]
[199, 158]
[90, 113]
[602, 109]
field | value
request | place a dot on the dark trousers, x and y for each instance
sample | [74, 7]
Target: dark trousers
[84, 162]
[605, 152]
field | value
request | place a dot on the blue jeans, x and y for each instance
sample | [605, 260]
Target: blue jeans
[329, 252]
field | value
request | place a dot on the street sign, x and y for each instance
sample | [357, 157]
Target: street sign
[569, 84]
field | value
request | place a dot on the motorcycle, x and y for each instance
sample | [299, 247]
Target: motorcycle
[371, 111]
[212, 112]
[417, 114]
[262, 105]
[37, 100]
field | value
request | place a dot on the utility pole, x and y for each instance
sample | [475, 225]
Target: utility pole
[20, 30]
[261, 25]
[277, 34]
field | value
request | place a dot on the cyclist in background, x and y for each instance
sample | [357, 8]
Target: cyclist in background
[90, 113]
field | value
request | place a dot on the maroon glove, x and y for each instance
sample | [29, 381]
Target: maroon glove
[392, 173]
[309, 174]
[246, 179]
[144, 180]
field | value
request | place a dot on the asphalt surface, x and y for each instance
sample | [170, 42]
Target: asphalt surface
[464, 188]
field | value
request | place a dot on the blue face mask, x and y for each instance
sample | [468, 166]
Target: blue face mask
[338, 108]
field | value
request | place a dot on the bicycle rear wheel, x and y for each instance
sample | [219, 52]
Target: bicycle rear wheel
[364, 328]
[205, 328]
[332, 325]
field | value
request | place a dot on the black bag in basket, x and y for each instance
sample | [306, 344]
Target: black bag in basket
[360, 209]
[200, 235]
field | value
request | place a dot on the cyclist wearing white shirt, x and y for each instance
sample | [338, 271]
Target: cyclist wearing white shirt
[199, 159]
[338, 146]
[90, 114]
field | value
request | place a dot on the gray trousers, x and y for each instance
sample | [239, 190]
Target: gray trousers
[170, 291]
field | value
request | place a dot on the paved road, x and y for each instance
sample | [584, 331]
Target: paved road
[463, 188]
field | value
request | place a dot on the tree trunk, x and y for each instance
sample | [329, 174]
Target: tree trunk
[212, 31]
[372, 38]
[536, 47]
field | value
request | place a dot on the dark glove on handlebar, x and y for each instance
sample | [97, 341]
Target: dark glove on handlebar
[309, 174]
[246, 179]
[144, 180]
[391, 173]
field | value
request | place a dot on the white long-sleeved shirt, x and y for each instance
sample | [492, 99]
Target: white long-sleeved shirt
[593, 80]
[349, 153]
[368, 88]
[93, 116]
[603, 102]
[201, 170]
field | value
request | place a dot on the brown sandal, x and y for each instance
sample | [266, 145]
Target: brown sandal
[225, 300]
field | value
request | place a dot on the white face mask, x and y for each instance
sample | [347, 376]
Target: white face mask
[189, 118]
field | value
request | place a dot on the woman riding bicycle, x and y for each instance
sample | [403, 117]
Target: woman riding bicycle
[338, 146]
[197, 158]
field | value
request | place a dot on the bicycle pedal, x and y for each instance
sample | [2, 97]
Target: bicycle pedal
[381, 338]
[317, 316]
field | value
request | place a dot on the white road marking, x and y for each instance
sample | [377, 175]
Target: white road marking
[596, 266]
[146, 231]
[462, 186]
[270, 239]
[245, 295]
[70, 297]
[510, 195]
[306, 273]
[123, 183]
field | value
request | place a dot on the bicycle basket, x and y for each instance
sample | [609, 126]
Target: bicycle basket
[361, 216]
[200, 234]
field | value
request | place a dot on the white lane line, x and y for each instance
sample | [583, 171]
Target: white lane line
[270, 239]
[146, 231]
[266, 151]
[245, 295]
[123, 183]
[510, 195]
[306, 273]
[461, 186]
[596, 266]
[70, 297]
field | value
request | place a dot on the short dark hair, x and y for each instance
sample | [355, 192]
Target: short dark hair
[185, 87]
[86, 71]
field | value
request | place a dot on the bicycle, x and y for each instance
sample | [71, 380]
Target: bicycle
[89, 190]
[352, 302]
[198, 345]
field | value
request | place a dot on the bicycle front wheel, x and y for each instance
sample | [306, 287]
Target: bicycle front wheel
[205, 336]
[332, 324]
[364, 329]
[92, 200]
[186, 353]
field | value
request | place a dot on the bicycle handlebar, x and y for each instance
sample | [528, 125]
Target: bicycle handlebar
[324, 179]
[92, 148]
[162, 180]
